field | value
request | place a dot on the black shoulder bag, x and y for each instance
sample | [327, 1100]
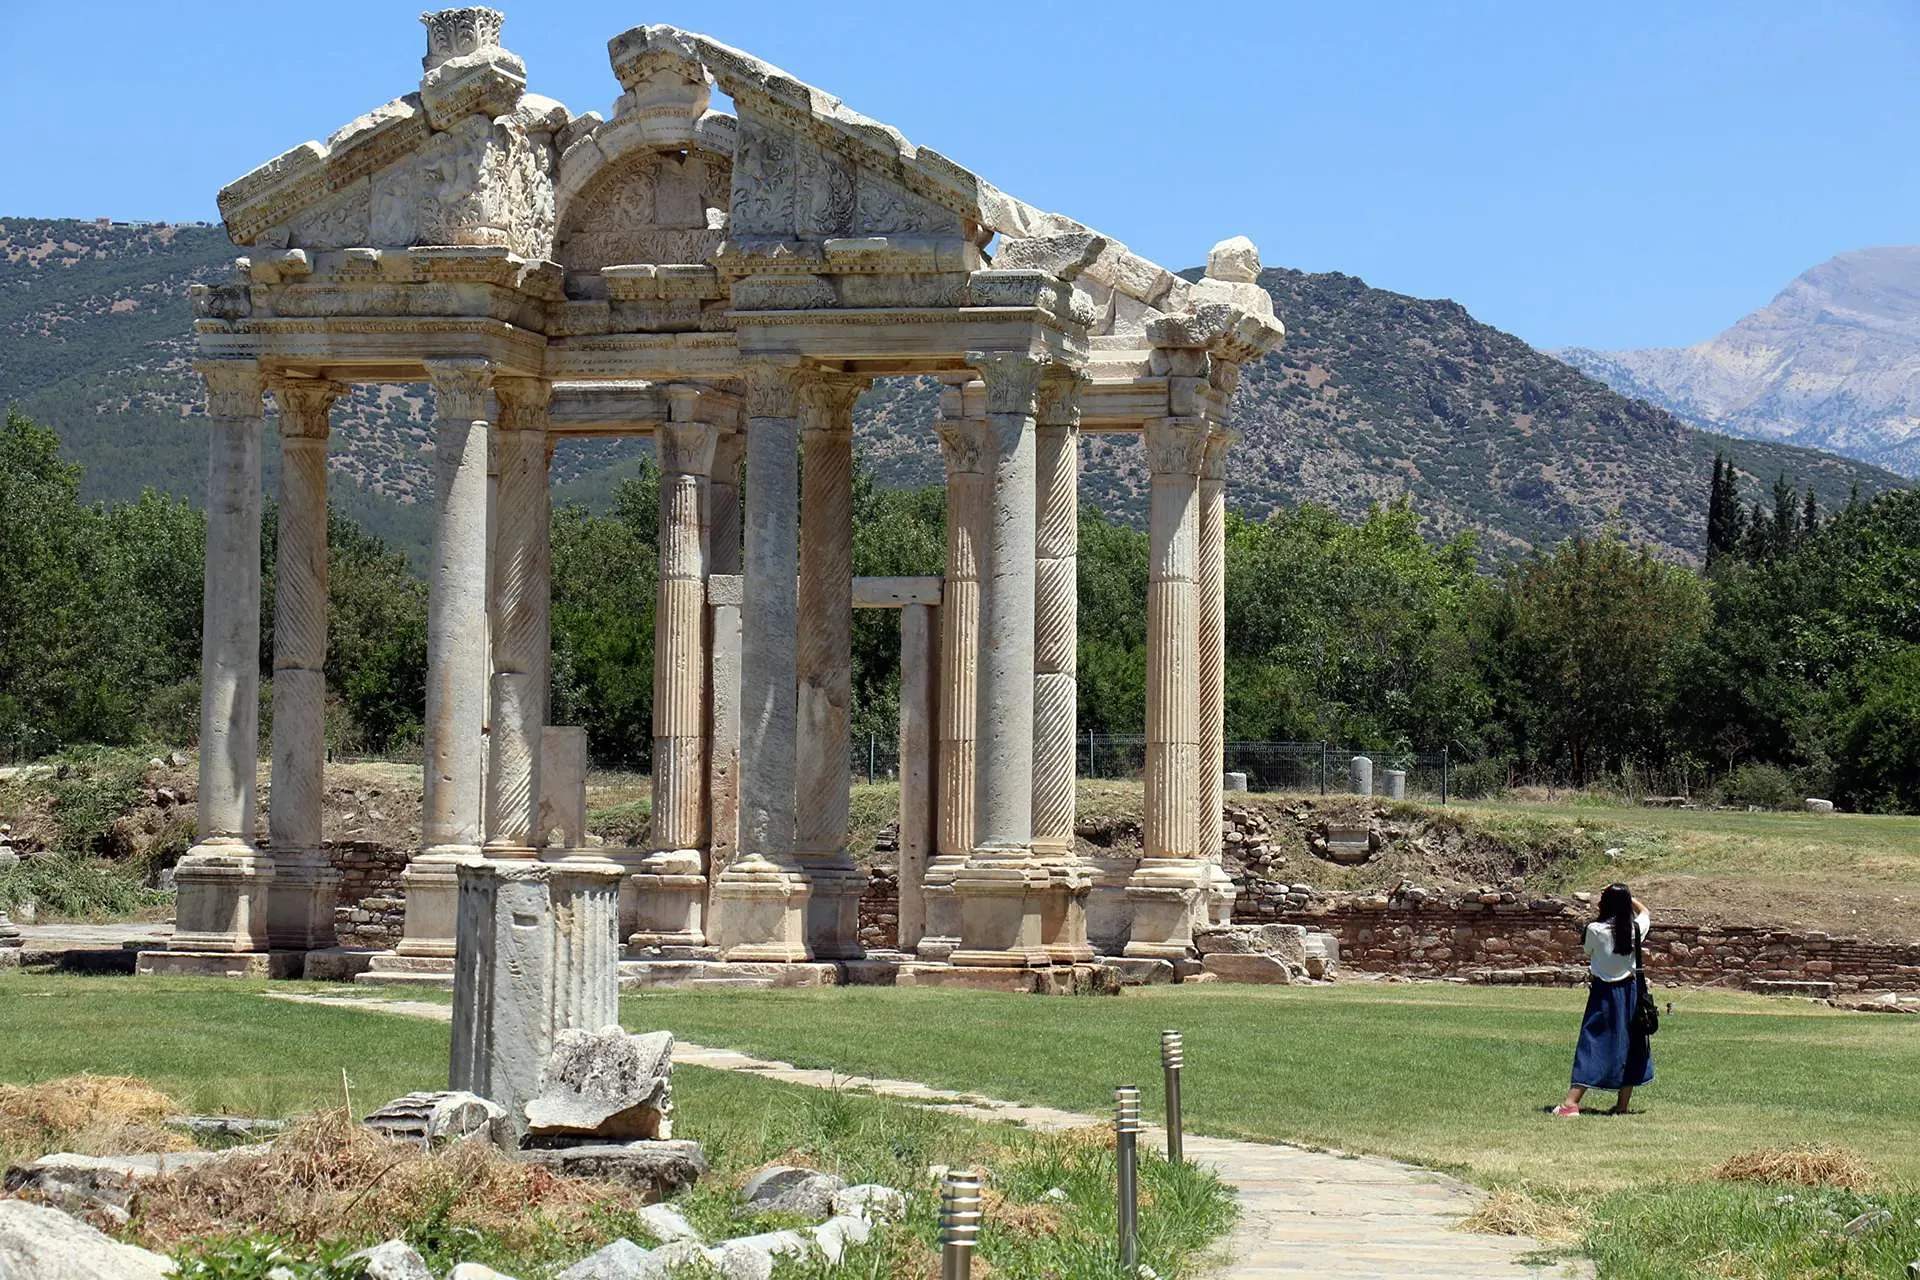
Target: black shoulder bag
[1646, 1015]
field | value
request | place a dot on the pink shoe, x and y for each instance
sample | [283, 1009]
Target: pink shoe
[1565, 1110]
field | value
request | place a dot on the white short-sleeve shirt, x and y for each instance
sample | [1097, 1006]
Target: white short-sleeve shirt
[1607, 964]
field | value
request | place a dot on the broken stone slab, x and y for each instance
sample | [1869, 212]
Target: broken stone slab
[227, 1126]
[657, 1170]
[621, 1260]
[393, 1260]
[436, 1118]
[476, 1271]
[605, 1084]
[1254, 969]
[787, 1189]
[108, 1182]
[751, 1257]
[833, 1236]
[666, 1223]
[870, 1200]
[1062, 256]
[1287, 942]
[42, 1243]
[1236, 260]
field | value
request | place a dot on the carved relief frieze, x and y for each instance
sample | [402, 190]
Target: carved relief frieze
[482, 182]
[339, 222]
[883, 207]
[651, 208]
[826, 193]
[763, 181]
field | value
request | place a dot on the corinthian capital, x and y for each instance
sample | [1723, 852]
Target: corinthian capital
[773, 389]
[829, 400]
[306, 406]
[686, 448]
[1012, 378]
[1057, 403]
[1213, 466]
[523, 403]
[963, 443]
[233, 388]
[460, 385]
[1176, 446]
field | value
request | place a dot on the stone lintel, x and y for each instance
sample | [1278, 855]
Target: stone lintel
[895, 593]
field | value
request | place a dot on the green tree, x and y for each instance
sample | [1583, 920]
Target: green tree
[1879, 757]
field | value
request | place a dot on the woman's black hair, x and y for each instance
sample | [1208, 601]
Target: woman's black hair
[1616, 910]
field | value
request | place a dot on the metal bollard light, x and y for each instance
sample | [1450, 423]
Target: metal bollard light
[1172, 1056]
[1126, 1130]
[959, 1224]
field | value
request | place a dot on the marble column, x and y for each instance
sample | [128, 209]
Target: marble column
[457, 657]
[760, 901]
[671, 889]
[305, 883]
[1166, 886]
[1001, 888]
[919, 705]
[824, 664]
[518, 620]
[962, 429]
[1056, 605]
[1211, 590]
[224, 880]
[723, 632]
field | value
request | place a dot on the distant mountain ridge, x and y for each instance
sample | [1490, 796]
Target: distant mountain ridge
[1375, 395]
[1833, 362]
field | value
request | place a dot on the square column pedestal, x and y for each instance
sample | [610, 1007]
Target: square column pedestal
[221, 926]
[1168, 897]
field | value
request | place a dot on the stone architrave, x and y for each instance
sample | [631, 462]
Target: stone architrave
[919, 703]
[305, 883]
[1001, 888]
[824, 668]
[760, 901]
[452, 740]
[538, 954]
[1165, 888]
[671, 889]
[518, 621]
[1210, 587]
[224, 880]
[962, 430]
[1055, 658]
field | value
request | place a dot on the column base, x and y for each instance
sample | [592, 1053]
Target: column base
[221, 899]
[942, 937]
[669, 900]
[1165, 894]
[1063, 921]
[833, 907]
[300, 910]
[1056, 980]
[1002, 904]
[391, 969]
[1217, 898]
[220, 964]
[432, 885]
[760, 912]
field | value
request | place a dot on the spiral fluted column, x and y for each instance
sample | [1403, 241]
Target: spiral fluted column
[300, 909]
[824, 668]
[1170, 875]
[224, 880]
[518, 630]
[1211, 591]
[962, 430]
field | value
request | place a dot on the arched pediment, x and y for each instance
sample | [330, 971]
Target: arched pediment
[647, 206]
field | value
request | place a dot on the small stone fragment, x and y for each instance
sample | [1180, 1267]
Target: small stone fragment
[1235, 260]
[475, 1271]
[621, 1260]
[436, 1118]
[45, 1244]
[605, 1084]
[666, 1223]
[870, 1200]
[394, 1260]
[785, 1189]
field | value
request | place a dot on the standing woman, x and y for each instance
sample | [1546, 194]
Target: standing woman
[1613, 1053]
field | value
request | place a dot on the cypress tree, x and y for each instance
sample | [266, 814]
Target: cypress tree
[1716, 510]
[1786, 514]
[1810, 514]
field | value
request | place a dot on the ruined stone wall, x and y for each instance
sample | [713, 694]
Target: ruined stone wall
[880, 909]
[1500, 936]
[370, 907]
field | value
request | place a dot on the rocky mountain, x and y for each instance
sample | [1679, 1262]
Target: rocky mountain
[1375, 395]
[1833, 362]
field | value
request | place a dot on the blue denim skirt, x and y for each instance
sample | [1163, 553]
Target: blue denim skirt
[1610, 1055]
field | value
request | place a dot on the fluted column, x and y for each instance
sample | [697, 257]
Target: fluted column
[760, 900]
[1165, 887]
[457, 658]
[517, 620]
[1001, 887]
[1055, 658]
[224, 880]
[962, 429]
[1211, 590]
[300, 909]
[672, 887]
[824, 665]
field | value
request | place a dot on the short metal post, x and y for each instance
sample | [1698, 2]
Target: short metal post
[1323, 766]
[1126, 1130]
[959, 1224]
[1443, 775]
[1172, 1055]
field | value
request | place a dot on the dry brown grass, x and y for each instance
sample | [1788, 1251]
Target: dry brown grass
[1511, 1211]
[88, 1114]
[1816, 1166]
[331, 1177]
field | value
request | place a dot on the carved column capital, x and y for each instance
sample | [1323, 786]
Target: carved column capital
[1057, 403]
[1175, 446]
[460, 386]
[234, 387]
[523, 403]
[828, 402]
[306, 406]
[773, 388]
[1012, 379]
[1213, 464]
[686, 448]
[963, 443]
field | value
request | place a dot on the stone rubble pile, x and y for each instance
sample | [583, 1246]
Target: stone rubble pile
[1246, 834]
[1270, 954]
[435, 1119]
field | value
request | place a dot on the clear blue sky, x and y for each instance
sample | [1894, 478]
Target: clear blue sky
[1604, 174]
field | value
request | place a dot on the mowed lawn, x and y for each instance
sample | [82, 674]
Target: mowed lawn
[1450, 1076]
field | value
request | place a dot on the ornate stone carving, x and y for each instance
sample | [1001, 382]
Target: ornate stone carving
[1057, 402]
[773, 390]
[763, 182]
[826, 193]
[829, 403]
[233, 388]
[306, 405]
[649, 209]
[523, 403]
[963, 445]
[1012, 378]
[482, 182]
[460, 385]
[454, 33]
[881, 208]
[1175, 446]
[341, 222]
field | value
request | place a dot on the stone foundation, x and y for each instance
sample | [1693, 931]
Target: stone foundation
[371, 903]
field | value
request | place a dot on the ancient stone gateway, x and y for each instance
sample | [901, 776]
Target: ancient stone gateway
[726, 284]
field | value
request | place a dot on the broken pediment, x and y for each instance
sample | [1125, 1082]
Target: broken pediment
[652, 207]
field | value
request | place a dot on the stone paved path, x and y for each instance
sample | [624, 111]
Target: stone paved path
[1304, 1215]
